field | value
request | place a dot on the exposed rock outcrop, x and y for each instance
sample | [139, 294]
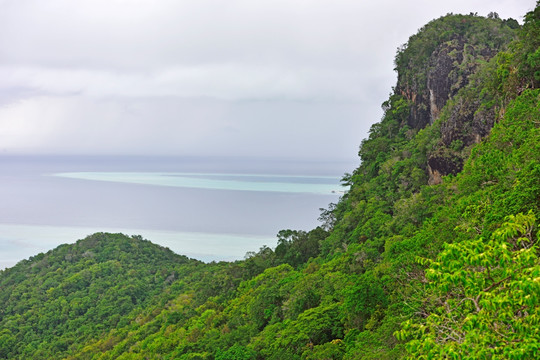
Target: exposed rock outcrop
[432, 69]
[448, 70]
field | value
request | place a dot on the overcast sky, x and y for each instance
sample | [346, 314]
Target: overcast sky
[281, 78]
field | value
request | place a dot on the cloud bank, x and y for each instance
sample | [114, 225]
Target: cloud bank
[301, 79]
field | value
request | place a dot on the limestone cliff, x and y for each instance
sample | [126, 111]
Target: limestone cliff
[434, 65]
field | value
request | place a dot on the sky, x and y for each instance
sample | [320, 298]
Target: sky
[272, 79]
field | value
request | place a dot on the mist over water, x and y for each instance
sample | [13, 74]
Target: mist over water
[216, 221]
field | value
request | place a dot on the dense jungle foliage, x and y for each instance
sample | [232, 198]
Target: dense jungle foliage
[416, 260]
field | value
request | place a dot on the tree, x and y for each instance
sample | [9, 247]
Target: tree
[493, 15]
[236, 352]
[487, 298]
[328, 216]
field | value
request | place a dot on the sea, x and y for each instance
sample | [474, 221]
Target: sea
[207, 208]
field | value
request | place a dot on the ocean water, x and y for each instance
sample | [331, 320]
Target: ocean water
[210, 209]
[321, 185]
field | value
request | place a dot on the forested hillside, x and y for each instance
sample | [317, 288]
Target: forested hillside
[431, 253]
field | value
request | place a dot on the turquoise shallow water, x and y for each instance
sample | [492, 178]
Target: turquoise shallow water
[19, 241]
[209, 209]
[323, 185]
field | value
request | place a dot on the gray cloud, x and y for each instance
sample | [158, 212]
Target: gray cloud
[271, 78]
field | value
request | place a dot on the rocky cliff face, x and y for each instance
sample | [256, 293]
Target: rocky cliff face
[432, 68]
[429, 97]
[466, 125]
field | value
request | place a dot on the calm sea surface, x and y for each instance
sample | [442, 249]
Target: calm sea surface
[205, 208]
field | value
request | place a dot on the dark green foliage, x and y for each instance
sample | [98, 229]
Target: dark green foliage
[362, 300]
[402, 246]
[56, 299]
[236, 352]
[528, 50]
[297, 247]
